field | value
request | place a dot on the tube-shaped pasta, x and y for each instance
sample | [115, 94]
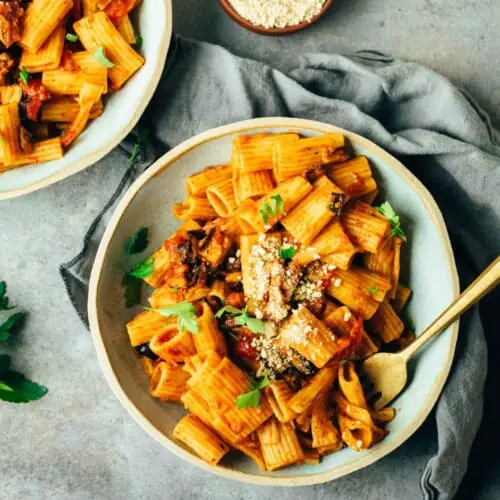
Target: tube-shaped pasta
[209, 337]
[10, 126]
[195, 434]
[306, 220]
[351, 386]
[293, 158]
[386, 323]
[279, 444]
[64, 110]
[145, 326]
[290, 192]
[165, 295]
[168, 381]
[93, 70]
[173, 345]
[197, 184]
[255, 152]
[97, 31]
[41, 19]
[320, 382]
[324, 434]
[403, 294]
[309, 336]
[221, 197]
[126, 29]
[366, 281]
[333, 242]
[194, 207]
[254, 184]
[48, 56]
[354, 177]
[10, 94]
[355, 434]
[365, 226]
[50, 149]
[279, 394]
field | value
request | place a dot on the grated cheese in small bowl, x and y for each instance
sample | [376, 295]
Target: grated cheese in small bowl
[277, 13]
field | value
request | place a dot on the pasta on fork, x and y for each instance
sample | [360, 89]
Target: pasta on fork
[56, 61]
[281, 279]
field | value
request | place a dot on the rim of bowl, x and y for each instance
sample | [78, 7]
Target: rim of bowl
[235, 16]
[94, 157]
[166, 161]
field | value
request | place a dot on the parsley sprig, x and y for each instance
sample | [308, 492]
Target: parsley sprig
[275, 206]
[243, 319]
[138, 41]
[252, 397]
[287, 253]
[72, 37]
[14, 387]
[141, 136]
[132, 280]
[186, 315]
[373, 290]
[386, 210]
[24, 75]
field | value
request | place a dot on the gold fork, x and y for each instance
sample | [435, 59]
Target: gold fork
[388, 372]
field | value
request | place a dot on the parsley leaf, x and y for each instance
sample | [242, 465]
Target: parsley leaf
[243, 319]
[10, 326]
[24, 75]
[71, 37]
[387, 210]
[138, 40]
[186, 315]
[273, 207]
[144, 269]
[15, 388]
[373, 290]
[132, 292]
[138, 242]
[4, 363]
[287, 253]
[252, 398]
[141, 135]
[4, 300]
[100, 55]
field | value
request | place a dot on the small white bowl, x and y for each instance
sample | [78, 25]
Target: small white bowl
[428, 267]
[122, 110]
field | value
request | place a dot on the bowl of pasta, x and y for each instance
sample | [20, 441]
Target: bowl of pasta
[242, 280]
[75, 77]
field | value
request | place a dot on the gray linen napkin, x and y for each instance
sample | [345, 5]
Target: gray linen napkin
[414, 113]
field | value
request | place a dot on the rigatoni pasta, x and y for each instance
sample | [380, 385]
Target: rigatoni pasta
[264, 300]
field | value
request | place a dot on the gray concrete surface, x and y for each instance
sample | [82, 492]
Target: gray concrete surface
[79, 443]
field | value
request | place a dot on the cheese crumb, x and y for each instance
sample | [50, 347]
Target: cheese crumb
[337, 282]
[347, 316]
[277, 13]
[359, 443]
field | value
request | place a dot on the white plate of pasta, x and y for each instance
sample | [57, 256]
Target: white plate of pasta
[249, 292]
[75, 77]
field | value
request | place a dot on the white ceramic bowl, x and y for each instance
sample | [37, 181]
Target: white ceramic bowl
[122, 110]
[427, 266]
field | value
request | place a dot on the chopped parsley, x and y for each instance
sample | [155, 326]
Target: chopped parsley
[138, 40]
[144, 269]
[252, 397]
[141, 136]
[132, 293]
[287, 253]
[24, 75]
[100, 56]
[373, 290]
[243, 319]
[71, 37]
[9, 327]
[138, 242]
[275, 206]
[4, 300]
[186, 315]
[386, 210]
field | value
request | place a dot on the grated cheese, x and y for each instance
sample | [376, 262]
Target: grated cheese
[277, 13]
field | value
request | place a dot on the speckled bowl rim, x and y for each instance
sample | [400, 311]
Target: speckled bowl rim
[91, 158]
[170, 158]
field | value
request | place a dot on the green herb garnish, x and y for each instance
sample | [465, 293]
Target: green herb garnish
[10, 326]
[144, 269]
[386, 210]
[186, 315]
[24, 75]
[373, 290]
[288, 253]
[4, 300]
[101, 57]
[273, 207]
[138, 40]
[138, 242]
[132, 293]
[71, 37]
[243, 319]
[252, 398]
[141, 135]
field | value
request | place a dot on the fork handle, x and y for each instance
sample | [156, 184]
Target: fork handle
[486, 281]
